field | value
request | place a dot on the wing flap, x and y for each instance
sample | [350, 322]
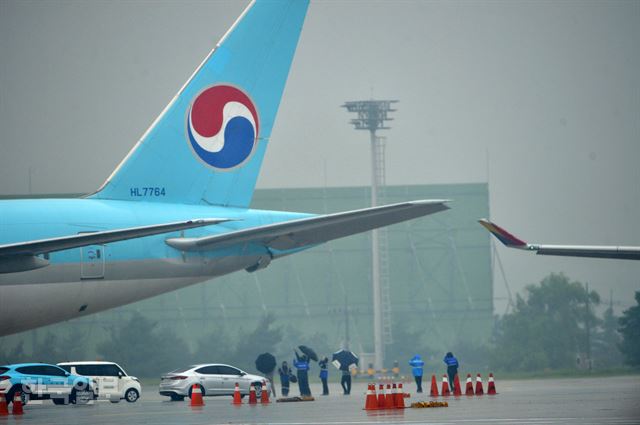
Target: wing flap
[314, 230]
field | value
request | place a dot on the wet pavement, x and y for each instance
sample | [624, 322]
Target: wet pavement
[546, 401]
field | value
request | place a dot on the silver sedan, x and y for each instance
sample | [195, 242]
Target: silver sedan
[213, 379]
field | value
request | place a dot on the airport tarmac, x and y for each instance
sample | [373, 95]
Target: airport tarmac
[528, 402]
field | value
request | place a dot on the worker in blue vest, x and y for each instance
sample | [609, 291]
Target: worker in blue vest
[417, 364]
[284, 373]
[452, 368]
[301, 363]
[324, 375]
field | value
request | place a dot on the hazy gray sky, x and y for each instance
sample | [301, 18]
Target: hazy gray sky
[540, 99]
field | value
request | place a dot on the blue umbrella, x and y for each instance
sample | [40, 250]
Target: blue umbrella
[345, 358]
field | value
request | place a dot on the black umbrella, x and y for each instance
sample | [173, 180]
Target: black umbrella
[345, 358]
[307, 351]
[266, 363]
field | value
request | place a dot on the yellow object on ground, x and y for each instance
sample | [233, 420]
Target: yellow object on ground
[429, 404]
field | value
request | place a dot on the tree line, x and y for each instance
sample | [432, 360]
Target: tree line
[553, 326]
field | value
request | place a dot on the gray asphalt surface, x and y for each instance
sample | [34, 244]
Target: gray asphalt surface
[549, 401]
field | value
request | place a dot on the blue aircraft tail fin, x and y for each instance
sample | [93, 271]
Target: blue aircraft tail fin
[208, 144]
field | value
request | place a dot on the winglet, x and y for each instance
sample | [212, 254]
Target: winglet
[505, 237]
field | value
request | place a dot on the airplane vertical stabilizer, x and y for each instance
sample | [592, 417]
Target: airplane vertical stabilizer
[208, 144]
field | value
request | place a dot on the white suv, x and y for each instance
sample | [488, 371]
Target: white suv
[113, 382]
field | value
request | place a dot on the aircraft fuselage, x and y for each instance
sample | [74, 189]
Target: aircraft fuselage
[86, 280]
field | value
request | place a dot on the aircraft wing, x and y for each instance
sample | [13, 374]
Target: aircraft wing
[511, 241]
[95, 238]
[314, 230]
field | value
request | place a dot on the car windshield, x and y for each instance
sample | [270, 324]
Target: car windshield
[3, 369]
[184, 369]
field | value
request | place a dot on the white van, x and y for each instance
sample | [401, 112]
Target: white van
[113, 382]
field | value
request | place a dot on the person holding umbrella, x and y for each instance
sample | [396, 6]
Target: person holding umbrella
[301, 363]
[324, 375]
[343, 359]
[417, 364]
[266, 363]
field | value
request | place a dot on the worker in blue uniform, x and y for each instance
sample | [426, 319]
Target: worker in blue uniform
[301, 363]
[417, 366]
[452, 368]
[324, 375]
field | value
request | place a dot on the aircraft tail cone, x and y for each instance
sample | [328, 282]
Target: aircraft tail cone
[469, 389]
[400, 397]
[252, 395]
[434, 386]
[479, 389]
[237, 397]
[264, 399]
[4, 410]
[17, 404]
[491, 386]
[445, 386]
[196, 396]
[457, 391]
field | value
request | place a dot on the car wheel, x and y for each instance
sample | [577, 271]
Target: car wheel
[131, 395]
[176, 397]
[201, 390]
[25, 394]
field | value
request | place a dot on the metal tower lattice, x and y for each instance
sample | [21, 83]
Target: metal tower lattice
[372, 115]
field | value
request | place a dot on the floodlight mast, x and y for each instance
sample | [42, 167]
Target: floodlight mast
[372, 115]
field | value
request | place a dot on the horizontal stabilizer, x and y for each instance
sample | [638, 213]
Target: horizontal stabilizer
[314, 230]
[96, 238]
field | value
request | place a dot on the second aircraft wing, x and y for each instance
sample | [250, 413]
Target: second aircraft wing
[595, 251]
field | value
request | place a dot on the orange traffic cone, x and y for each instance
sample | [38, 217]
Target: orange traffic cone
[445, 386]
[196, 396]
[479, 389]
[389, 402]
[457, 391]
[434, 386]
[394, 390]
[252, 395]
[265, 393]
[469, 389]
[17, 404]
[400, 397]
[491, 386]
[4, 411]
[381, 396]
[237, 397]
[371, 402]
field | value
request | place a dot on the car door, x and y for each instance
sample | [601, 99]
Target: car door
[210, 379]
[33, 379]
[229, 376]
[107, 385]
[56, 379]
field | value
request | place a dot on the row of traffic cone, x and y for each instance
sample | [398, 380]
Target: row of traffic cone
[16, 408]
[457, 390]
[392, 398]
[197, 400]
[264, 399]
